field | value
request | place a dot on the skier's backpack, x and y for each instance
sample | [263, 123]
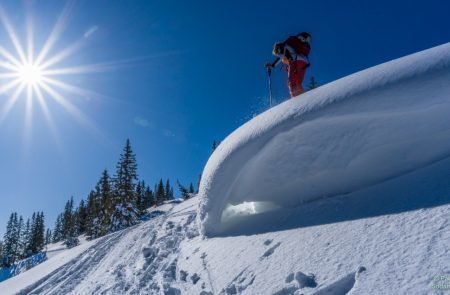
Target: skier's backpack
[300, 43]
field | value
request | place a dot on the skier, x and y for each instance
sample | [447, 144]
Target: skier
[294, 54]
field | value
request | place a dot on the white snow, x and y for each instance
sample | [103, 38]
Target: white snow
[56, 248]
[366, 209]
[57, 257]
[347, 135]
[320, 248]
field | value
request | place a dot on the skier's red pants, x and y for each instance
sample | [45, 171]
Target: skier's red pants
[296, 73]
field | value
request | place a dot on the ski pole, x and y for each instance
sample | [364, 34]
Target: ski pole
[269, 72]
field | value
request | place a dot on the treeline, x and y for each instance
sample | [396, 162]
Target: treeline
[22, 240]
[116, 202]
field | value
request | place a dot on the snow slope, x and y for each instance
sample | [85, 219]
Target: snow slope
[342, 137]
[336, 246]
[137, 260]
[35, 274]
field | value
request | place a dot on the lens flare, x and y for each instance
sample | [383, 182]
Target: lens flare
[30, 74]
[35, 75]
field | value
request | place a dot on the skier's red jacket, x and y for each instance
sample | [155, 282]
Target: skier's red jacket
[295, 56]
[294, 47]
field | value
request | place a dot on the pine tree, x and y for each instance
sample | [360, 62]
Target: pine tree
[68, 220]
[312, 83]
[40, 232]
[81, 221]
[66, 229]
[141, 197]
[149, 198]
[48, 237]
[58, 230]
[125, 211]
[1, 254]
[191, 189]
[75, 222]
[66, 226]
[184, 191]
[160, 193]
[168, 191]
[104, 203]
[26, 237]
[8, 246]
[94, 224]
[12, 246]
[15, 238]
[37, 239]
[99, 208]
[18, 248]
[33, 229]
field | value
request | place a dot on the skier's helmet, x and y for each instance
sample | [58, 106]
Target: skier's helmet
[304, 37]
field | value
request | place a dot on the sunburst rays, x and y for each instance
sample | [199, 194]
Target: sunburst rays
[35, 74]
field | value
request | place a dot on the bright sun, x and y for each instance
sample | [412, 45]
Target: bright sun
[30, 74]
[36, 75]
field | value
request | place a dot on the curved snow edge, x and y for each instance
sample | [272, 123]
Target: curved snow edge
[216, 183]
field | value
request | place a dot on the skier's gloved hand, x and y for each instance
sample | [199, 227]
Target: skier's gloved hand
[268, 66]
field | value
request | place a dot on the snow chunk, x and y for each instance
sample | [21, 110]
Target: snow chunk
[358, 131]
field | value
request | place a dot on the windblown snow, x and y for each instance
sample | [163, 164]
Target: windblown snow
[343, 190]
[351, 134]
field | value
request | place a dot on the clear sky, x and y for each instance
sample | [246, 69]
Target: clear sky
[172, 76]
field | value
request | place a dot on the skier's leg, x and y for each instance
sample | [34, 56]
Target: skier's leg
[296, 74]
[295, 87]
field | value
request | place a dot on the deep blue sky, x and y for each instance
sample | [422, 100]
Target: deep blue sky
[193, 73]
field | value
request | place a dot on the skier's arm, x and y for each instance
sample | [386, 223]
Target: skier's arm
[274, 63]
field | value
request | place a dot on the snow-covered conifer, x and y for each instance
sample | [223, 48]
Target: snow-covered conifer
[125, 211]
[160, 193]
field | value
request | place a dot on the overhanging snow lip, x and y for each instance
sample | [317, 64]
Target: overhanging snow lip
[259, 130]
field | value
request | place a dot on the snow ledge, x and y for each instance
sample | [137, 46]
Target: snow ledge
[392, 118]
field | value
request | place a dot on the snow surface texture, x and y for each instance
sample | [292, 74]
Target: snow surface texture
[138, 260]
[350, 134]
[43, 270]
[383, 247]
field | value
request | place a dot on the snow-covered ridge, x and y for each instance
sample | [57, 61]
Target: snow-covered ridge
[358, 131]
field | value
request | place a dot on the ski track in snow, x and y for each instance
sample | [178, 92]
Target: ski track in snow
[240, 283]
[166, 256]
[124, 267]
[66, 278]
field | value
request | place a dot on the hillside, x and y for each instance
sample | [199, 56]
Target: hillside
[401, 251]
[344, 190]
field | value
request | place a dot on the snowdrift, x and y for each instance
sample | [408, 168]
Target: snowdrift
[354, 133]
